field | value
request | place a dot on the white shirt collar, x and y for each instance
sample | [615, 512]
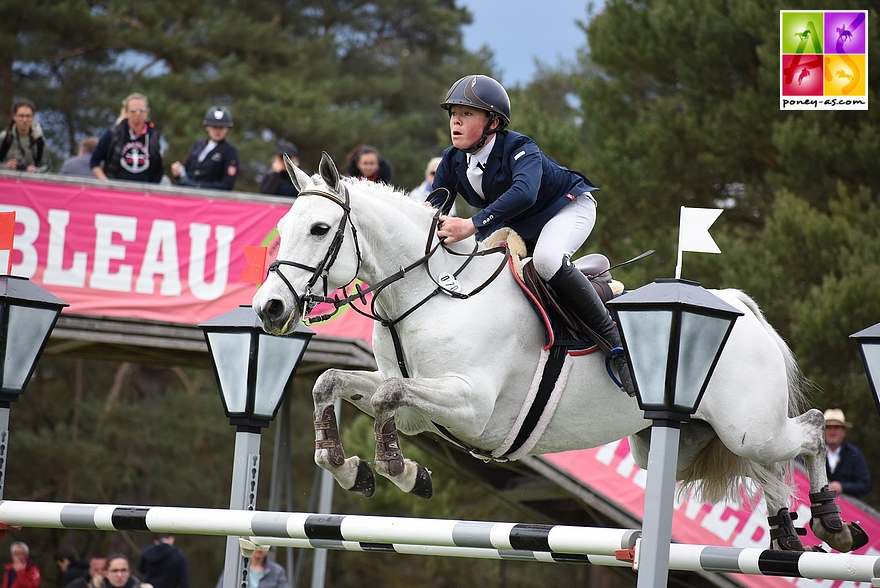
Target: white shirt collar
[483, 154]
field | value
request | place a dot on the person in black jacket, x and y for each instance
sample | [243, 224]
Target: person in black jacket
[70, 567]
[132, 149]
[276, 180]
[163, 565]
[514, 184]
[212, 162]
[845, 465]
[366, 163]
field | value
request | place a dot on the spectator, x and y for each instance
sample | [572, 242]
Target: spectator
[277, 180]
[131, 150]
[117, 573]
[21, 573]
[163, 565]
[95, 576]
[69, 565]
[366, 163]
[22, 144]
[420, 193]
[81, 165]
[212, 162]
[262, 573]
[846, 467]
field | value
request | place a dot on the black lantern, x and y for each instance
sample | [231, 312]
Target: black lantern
[28, 314]
[673, 332]
[869, 346]
[252, 367]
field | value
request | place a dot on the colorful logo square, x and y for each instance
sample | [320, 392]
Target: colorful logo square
[843, 75]
[802, 32]
[823, 59]
[802, 75]
[846, 32]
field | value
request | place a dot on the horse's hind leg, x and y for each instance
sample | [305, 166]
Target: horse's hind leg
[826, 523]
[353, 473]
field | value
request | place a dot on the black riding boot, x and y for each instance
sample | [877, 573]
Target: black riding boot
[575, 290]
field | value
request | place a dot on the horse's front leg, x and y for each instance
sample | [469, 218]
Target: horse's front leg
[447, 401]
[353, 474]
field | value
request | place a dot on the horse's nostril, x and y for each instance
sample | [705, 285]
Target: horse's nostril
[274, 309]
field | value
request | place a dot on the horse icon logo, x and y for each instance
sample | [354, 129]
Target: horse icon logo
[843, 74]
[843, 35]
[803, 36]
[805, 73]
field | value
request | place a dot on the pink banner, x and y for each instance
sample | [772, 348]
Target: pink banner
[173, 258]
[611, 471]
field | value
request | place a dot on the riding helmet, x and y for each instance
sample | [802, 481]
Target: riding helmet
[480, 92]
[218, 116]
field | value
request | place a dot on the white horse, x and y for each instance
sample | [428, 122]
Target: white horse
[462, 367]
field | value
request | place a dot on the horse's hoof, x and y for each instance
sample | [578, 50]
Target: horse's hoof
[365, 482]
[860, 538]
[424, 487]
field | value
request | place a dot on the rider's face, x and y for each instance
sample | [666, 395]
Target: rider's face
[466, 125]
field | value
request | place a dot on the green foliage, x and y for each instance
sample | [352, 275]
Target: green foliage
[327, 75]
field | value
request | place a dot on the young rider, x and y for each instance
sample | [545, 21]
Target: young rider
[512, 182]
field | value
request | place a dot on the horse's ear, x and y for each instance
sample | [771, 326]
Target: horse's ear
[327, 170]
[297, 176]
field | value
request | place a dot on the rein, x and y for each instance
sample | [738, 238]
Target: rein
[310, 300]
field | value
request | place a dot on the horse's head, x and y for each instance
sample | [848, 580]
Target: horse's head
[318, 251]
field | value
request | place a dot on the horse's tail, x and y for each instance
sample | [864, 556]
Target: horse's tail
[717, 474]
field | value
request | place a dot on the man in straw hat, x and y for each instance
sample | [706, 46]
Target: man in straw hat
[847, 470]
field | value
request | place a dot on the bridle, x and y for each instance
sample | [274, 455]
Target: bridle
[309, 299]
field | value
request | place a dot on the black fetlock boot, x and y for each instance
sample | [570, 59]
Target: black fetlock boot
[575, 291]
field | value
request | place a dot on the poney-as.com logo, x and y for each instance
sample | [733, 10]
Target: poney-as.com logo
[823, 60]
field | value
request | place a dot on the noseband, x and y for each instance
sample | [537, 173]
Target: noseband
[309, 299]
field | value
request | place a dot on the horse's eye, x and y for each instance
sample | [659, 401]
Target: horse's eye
[320, 229]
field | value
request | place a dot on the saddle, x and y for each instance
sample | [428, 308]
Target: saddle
[564, 328]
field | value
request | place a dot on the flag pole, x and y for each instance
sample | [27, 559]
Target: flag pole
[680, 229]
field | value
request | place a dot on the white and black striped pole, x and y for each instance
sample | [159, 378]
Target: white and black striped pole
[252, 369]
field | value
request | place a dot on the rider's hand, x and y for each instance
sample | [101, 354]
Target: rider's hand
[452, 229]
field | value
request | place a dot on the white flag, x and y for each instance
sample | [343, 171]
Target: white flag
[693, 230]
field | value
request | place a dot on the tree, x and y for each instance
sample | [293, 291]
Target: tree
[327, 75]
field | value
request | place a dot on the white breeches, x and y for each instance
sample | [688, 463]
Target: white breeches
[564, 234]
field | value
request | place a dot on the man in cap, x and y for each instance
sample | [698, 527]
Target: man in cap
[212, 162]
[276, 180]
[846, 467]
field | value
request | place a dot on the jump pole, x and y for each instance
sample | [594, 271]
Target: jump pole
[263, 543]
[437, 537]
[356, 528]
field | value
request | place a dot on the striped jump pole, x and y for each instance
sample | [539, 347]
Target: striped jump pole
[263, 543]
[318, 527]
[766, 562]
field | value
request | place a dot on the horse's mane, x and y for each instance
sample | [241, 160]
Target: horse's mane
[397, 196]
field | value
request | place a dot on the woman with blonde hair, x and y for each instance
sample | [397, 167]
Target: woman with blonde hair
[131, 149]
